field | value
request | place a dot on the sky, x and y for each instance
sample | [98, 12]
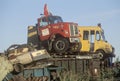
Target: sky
[17, 15]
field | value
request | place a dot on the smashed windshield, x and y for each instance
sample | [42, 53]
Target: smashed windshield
[54, 19]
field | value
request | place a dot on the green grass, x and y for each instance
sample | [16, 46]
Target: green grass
[71, 76]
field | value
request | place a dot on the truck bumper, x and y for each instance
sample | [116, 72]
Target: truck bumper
[74, 40]
[112, 53]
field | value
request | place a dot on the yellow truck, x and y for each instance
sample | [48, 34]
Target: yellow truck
[93, 40]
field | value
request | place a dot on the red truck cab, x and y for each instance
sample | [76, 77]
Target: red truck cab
[63, 35]
[56, 35]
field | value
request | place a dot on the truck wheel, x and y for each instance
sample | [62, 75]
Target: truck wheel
[60, 45]
[101, 53]
[77, 47]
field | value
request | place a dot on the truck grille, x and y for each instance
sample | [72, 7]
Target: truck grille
[73, 30]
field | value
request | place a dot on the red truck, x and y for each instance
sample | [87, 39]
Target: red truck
[53, 34]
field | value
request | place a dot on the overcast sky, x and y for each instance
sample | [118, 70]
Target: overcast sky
[16, 15]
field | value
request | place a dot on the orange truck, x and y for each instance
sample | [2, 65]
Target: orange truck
[53, 34]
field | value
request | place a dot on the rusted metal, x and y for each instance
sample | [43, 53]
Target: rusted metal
[29, 57]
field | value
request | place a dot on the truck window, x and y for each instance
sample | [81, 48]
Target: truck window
[54, 19]
[85, 35]
[43, 22]
[97, 35]
[103, 36]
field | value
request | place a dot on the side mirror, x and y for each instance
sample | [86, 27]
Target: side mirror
[106, 41]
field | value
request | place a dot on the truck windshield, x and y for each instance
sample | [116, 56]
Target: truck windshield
[54, 19]
[103, 36]
[50, 20]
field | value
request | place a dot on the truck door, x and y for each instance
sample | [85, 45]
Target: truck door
[92, 40]
[98, 43]
[44, 30]
[85, 41]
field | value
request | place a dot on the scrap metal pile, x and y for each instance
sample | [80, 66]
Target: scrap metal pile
[52, 42]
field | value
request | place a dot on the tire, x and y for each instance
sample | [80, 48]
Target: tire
[77, 47]
[101, 54]
[60, 45]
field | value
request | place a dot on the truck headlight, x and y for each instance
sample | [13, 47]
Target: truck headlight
[66, 32]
